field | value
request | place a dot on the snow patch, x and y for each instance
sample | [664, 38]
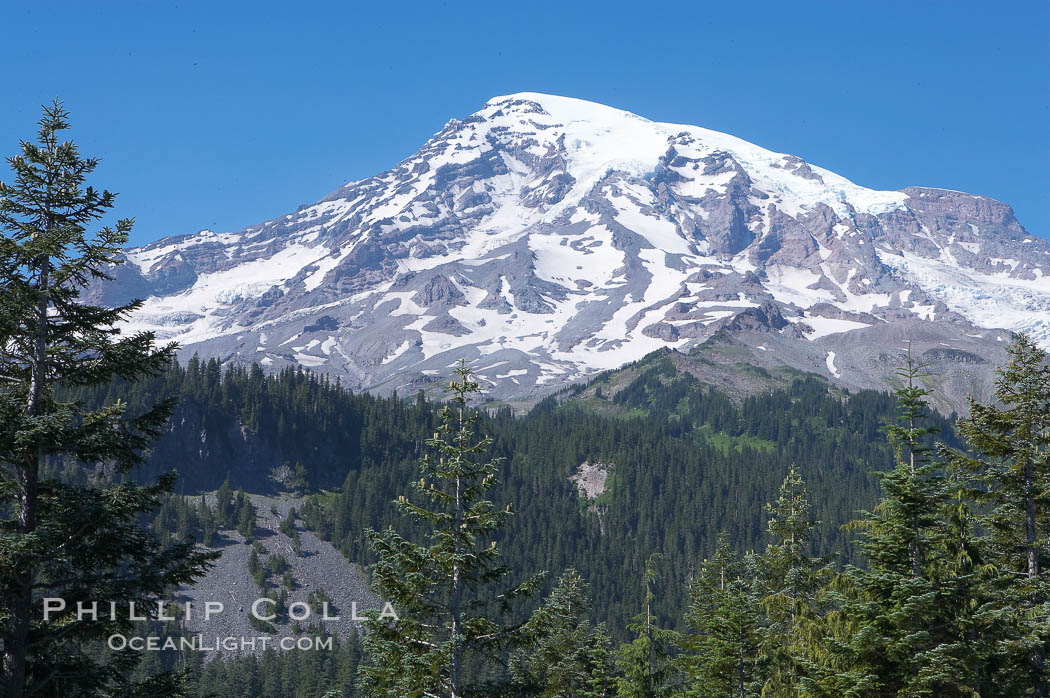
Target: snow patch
[830, 361]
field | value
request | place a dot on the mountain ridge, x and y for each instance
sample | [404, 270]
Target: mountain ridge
[549, 239]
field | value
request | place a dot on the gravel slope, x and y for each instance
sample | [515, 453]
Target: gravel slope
[321, 566]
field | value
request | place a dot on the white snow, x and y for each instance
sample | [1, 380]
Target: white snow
[397, 352]
[600, 138]
[612, 157]
[324, 265]
[309, 359]
[791, 285]
[823, 326]
[987, 300]
[830, 361]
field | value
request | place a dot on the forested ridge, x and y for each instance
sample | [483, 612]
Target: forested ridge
[941, 591]
[686, 462]
[690, 463]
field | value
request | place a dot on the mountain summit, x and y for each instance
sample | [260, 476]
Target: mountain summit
[549, 238]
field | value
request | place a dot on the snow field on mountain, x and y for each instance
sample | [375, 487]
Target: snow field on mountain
[571, 230]
[987, 300]
[830, 361]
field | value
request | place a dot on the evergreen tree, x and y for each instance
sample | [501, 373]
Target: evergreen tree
[300, 478]
[207, 522]
[602, 680]
[79, 543]
[906, 611]
[447, 593]
[791, 585]
[564, 654]
[245, 516]
[1010, 472]
[647, 663]
[726, 621]
[224, 504]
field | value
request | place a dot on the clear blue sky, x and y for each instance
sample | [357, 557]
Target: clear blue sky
[220, 114]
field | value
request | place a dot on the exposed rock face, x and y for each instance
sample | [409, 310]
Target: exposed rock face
[590, 479]
[764, 318]
[547, 238]
[320, 569]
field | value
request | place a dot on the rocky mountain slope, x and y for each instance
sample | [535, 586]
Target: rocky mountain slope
[317, 569]
[548, 238]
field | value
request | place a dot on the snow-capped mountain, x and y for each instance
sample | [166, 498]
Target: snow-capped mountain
[548, 238]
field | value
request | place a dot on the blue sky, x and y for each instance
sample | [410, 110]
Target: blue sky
[221, 114]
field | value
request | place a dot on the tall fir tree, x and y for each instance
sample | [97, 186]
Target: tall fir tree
[726, 627]
[906, 611]
[602, 680]
[245, 516]
[1008, 464]
[791, 585]
[225, 511]
[647, 664]
[565, 655]
[78, 543]
[449, 593]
